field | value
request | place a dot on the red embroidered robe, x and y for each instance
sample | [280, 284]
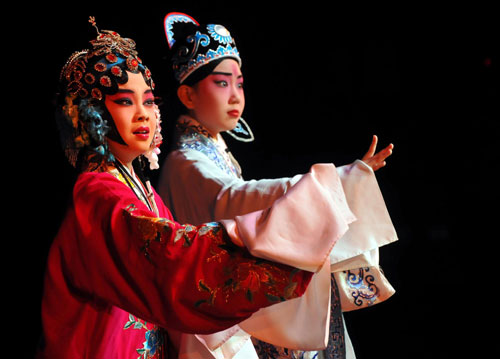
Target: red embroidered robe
[117, 274]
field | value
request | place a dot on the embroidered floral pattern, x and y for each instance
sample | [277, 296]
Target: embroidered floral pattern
[152, 228]
[249, 277]
[247, 274]
[152, 346]
[242, 273]
[197, 138]
[220, 33]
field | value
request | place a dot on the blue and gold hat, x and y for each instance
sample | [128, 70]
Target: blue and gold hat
[194, 45]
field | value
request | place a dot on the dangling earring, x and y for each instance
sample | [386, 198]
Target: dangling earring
[152, 154]
[242, 130]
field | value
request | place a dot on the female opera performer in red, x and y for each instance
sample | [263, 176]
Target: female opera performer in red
[121, 270]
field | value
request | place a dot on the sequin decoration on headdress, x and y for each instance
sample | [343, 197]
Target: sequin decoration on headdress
[194, 45]
[85, 79]
[98, 71]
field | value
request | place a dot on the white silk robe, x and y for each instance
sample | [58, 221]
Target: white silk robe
[201, 182]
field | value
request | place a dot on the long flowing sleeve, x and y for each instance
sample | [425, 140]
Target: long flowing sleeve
[355, 258]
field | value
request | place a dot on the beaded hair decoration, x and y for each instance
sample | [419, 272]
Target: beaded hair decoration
[85, 79]
[98, 71]
[194, 46]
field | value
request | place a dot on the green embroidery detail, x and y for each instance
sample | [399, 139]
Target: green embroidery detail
[154, 339]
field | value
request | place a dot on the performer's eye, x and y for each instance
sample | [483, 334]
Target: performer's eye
[123, 101]
[221, 83]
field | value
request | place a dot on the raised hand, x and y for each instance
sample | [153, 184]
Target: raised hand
[377, 160]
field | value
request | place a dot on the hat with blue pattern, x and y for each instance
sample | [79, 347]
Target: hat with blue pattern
[194, 45]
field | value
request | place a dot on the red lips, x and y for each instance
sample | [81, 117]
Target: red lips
[142, 132]
[234, 113]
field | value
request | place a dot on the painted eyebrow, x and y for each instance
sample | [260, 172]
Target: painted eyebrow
[225, 74]
[149, 91]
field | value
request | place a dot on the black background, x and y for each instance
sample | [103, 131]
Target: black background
[319, 82]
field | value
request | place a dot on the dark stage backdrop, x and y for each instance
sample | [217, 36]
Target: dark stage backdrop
[319, 82]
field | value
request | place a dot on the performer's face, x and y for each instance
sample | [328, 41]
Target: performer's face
[133, 111]
[219, 99]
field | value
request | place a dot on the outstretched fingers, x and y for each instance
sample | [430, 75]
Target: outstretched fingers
[377, 160]
[373, 147]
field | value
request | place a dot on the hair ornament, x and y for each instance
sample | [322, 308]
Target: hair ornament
[152, 154]
[98, 71]
[92, 21]
[85, 127]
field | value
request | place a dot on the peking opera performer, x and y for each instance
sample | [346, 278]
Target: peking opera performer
[202, 181]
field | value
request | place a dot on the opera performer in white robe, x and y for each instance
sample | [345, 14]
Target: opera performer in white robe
[201, 181]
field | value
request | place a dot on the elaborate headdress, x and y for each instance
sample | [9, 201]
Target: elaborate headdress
[85, 79]
[194, 45]
[98, 71]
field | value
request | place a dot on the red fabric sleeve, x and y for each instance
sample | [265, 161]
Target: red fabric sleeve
[189, 278]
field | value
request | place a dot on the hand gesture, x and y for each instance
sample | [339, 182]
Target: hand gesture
[377, 160]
